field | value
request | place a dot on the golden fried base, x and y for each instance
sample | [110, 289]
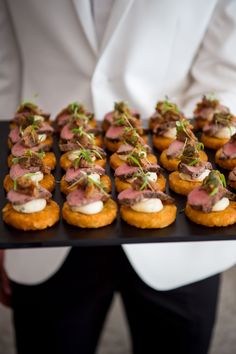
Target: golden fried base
[48, 182]
[105, 125]
[172, 164]
[65, 187]
[115, 161]
[158, 220]
[161, 142]
[9, 143]
[215, 218]
[180, 186]
[151, 124]
[66, 163]
[98, 141]
[228, 164]
[212, 142]
[48, 160]
[104, 218]
[114, 146]
[34, 221]
[122, 185]
[92, 123]
[200, 123]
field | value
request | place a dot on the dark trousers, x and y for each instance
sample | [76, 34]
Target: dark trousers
[65, 314]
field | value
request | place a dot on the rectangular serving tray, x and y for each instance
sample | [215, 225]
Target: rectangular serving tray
[118, 233]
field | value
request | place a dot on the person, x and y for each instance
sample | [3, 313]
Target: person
[99, 52]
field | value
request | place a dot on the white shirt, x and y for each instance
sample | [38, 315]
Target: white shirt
[101, 11]
[148, 49]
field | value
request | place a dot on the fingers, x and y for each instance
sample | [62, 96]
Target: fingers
[5, 286]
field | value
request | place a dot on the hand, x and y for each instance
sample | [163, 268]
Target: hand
[5, 288]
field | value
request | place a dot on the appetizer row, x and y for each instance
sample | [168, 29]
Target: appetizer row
[138, 178]
[30, 182]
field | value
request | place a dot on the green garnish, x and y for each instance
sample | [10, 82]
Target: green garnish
[76, 182]
[200, 146]
[29, 153]
[224, 119]
[211, 96]
[74, 107]
[166, 106]
[194, 162]
[100, 186]
[86, 154]
[15, 160]
[27, 104]
[214, 192]
[30, 174]
[81, 132]
[134, 160]
[214, 181]
[14, 184]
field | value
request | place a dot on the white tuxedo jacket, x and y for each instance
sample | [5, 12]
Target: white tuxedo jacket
[150, 48]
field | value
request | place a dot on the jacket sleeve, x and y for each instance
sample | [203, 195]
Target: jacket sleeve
[214, 68]
[10, 67]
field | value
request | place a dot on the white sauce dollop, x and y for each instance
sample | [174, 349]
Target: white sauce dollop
[222, 204]
[170, 133]
[42, 137]
[39, 118]
[152, 205]
[32, 206]
[200, 178]
[89, 209]
[226, 132]
[151, 176]
[36, 177]
[123, 157]
[95, 177]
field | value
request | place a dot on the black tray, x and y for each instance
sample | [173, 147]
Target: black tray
[118, 233]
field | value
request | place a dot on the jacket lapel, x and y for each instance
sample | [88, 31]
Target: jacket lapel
[118, 14]
[83, 10]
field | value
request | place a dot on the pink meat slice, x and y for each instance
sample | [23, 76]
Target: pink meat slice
[125, 149]
[45, 128]
[207, 113]
[17, 198]
[229, 150]
[18, 149]
[130, 194]
[63, 118]
[108, 117]
[198, 197]
[14, 135]
[194, 169]
[114, 132]
[66, 132]
[75, 173]
[78, 198]
[125, 169]
[17, 171]
[174, 149]
[207, 127]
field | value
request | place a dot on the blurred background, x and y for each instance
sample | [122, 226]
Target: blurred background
[115, 338]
